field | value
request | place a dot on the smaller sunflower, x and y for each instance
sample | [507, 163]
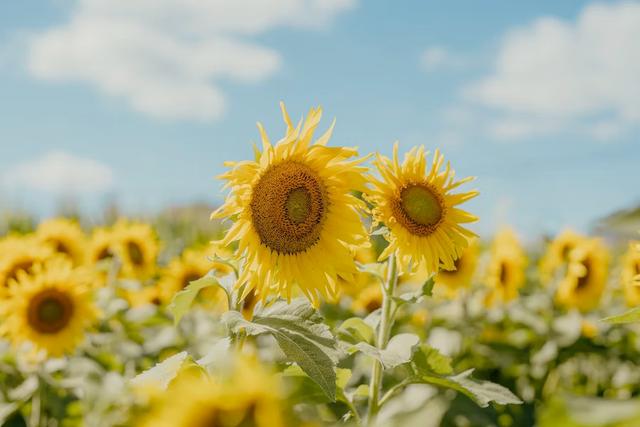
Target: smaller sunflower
[419, 209]
[247, 395]
[557, 254]
[459, 278]
[631, 275]
[137, 247]
[586, 277]
[20, 253]
[368, 299]
[506, 269]
[191, 265]
[102, 246]
[51, 308]
[65, 237]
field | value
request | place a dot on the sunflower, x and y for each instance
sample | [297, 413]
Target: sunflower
[631, 275]
[459, 278]
[420, 211]
[137, 247]
[296, 219]
[247, 395]
[102, 246]
[557, 254]
[20, 253]
[191, 265]
[586, 277]
[65, 237]
[50, 308]
[506, 269]
[368, 299]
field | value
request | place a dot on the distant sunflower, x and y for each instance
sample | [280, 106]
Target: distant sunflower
[191, 265]
[50, 308]
[420, 211]
[557, 254]
[459, 278]
[296, 218]
[137, 247]
[506, 269]
[247, 396]
[631, 275]
[368, 300]
[20, 253]
[102, 246]
[586, 277]
[65, 237]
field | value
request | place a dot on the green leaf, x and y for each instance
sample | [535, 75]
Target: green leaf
[428, 359]
[300, 334]
[399, 350]
[630, 316]
[357, 329]
[162, 373]
[426, 290]
[183, 300]
[482, 392]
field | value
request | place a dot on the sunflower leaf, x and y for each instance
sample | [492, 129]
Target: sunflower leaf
[400, 350]
[426, 290]
[183, 300]
[162, 373]
[630, 316]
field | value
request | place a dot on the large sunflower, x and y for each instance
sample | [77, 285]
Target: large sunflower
[137, 248]
[460, 277]
[247, 395]
[50, 308]
[631, 275]
[191, 265]
[20, 253]
[296, 218]
[506, 269]
[557, 254]
[65, 237]
[586, 277]
[420, 210]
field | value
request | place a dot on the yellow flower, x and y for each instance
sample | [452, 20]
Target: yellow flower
[103, 245]
[420, 211]
[50, 308]
[137, 248]
[20, 253]
[65, 237]
[557, 254]
[506, 269]
[586, 278]
[368, 299]
[459, 278]
[247, 395]
[296, 218]
[631, 275]
[588, 329]
[191, 265]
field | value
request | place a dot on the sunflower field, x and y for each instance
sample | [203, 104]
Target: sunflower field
[330, 288]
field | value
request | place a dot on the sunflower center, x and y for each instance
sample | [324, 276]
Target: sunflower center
[420, 209]
[104, 254]
[135, 253]
[638, 267]
[504, 274]
[60, 247]
[583, 282]
[50, 311]
[456, 266]
[288, 207]
[189, 277]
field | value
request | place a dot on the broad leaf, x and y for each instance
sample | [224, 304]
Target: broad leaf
[357, 329]
[183, 300]
[162, 373]
[426, 290]
[399, 350]
[429, 360]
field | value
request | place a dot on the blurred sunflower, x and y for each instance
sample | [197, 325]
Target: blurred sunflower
[191, 265]
[65, 237]
[420, 211]
[50, 308]
[247, 396]
[20, 253]
[368, 299]
[631, 275]
[557, 254]
[459, 278]
[296, 218]
[137, 247]
[586, 277]
[102, 245]
[506, 269]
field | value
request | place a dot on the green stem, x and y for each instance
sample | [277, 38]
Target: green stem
[36, 406]
[354, 411]
[384, 329]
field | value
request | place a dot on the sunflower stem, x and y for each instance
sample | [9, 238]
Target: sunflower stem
[36, 405]
[384, 329]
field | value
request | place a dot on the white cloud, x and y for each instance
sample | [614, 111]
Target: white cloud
[60, 173]
[167, 57]
[561, 72]
[438, 57]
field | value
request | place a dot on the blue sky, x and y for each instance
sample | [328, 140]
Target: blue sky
[533, 98]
